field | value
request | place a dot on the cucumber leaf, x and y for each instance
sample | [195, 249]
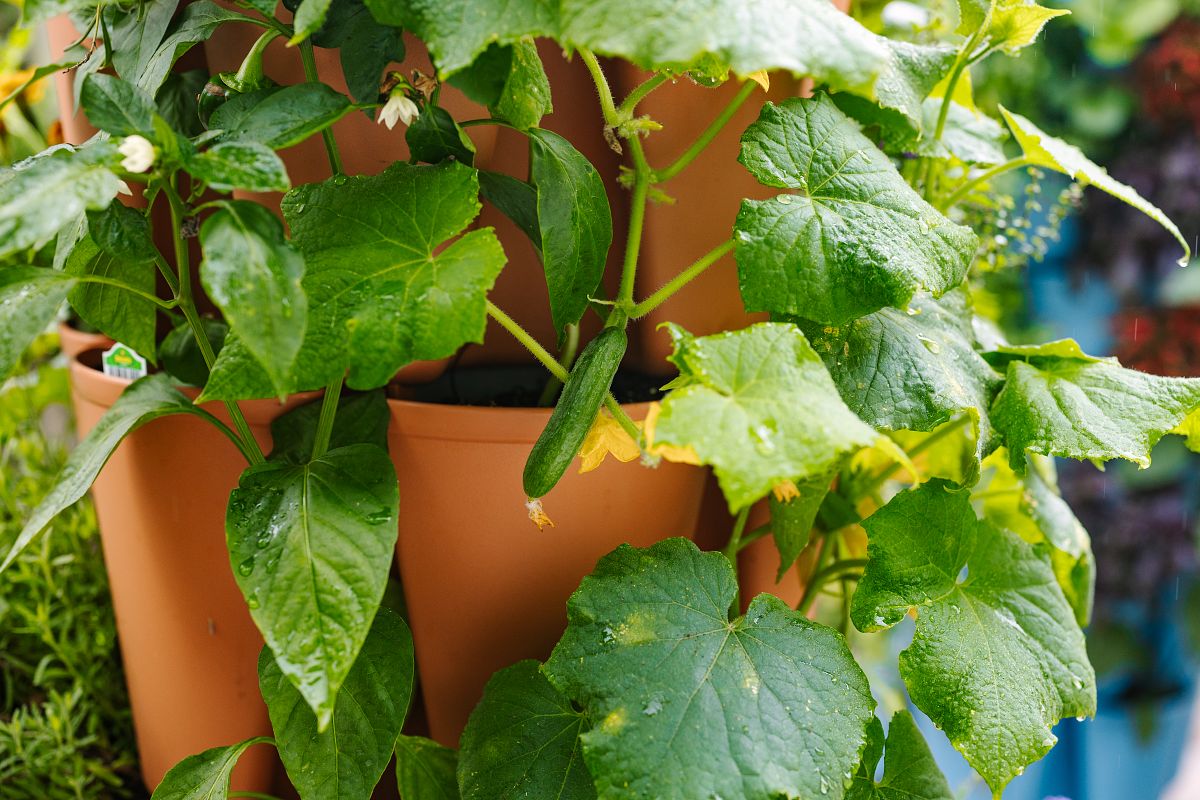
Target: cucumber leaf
[1047, 151]
[852, 237]
[688, 703]
[997, 658]
[909, 770]
[758, 405]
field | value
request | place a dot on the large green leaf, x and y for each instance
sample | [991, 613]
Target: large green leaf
[144, 400]
[29, 299]
[758, 405]
[346, 761]
[574, 220]
[118, 107]
[280, 118]
[690, 704]
[204, 776]
[425, 769]
[122, 232]
[997, 658]
[853, 237]
[196, 23]
[807, 37]
[253, 274]
[909, 771]
[913, 369]
[240, 165]
[52, 190]
[1047, 151]
[311, 545]
[523, 741]
[127, 317]
[382, 289]
[511, 81]
[1085, 408]
[1031, 506]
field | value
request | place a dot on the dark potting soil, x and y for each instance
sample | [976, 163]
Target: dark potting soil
[520, 387]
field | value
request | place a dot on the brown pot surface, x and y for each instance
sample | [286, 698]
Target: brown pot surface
[485, 588]
[187, 641]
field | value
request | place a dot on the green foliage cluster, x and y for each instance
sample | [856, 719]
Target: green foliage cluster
[873, 366]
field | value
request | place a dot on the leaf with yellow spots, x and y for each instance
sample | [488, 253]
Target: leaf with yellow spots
[690, 704]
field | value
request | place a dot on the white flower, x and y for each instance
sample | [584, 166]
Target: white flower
[901, 14]
[139, 154]
[398, 108]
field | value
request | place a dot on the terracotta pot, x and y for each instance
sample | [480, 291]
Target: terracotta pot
[60, 33]
[485, 588]
[72, 341]
[187, 641]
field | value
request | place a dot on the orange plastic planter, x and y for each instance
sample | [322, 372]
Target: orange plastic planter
[485, 588]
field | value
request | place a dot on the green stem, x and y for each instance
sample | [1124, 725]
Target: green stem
[836, 570]
[611, 118]
[750, 537]
[983, 177]
[166, 304]
[811, 589]
[566, 357]
[633, 242]
[710, 133]
[682, 279]
[549, 362]
[310, 74]
[731, 553]
[184, 299]
[164, 269]
[329, 404]
[629, 104]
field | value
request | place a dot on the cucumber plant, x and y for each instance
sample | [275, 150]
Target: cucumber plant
[874, 374]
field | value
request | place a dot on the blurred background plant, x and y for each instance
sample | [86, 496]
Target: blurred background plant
[65, 727]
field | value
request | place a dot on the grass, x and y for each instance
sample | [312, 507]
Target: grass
[65, 726]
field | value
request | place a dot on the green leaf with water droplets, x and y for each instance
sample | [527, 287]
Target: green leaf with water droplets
[204, 776]
[758, 405]
[687, 703]
[913, 369]
[30, 297]
[852, 238]
[997, 658]
[511, 81]
[792, 519]
[1032, 507]
[311, 545]
[909, 770]
[523, 741]
[50, 191]
[253, 274]
[806, 37]
[1085, 408]
[1047, 151]
[125, 316]
[142, 401]
[346, 761]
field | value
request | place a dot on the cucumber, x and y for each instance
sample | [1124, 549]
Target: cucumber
[577, 407]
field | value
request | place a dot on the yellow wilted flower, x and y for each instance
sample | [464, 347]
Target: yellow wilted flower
[761, 78]
[785, 491]
[606, 436]
[537, 514]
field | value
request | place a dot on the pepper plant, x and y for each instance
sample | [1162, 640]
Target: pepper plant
[873, 371]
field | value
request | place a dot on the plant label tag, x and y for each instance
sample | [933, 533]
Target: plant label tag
[121, 361]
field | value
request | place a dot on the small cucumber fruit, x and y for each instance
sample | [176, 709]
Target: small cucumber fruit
[577, 407]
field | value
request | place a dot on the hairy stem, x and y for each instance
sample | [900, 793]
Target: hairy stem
[682, 279]
[607, 106]
[705, 138]
[983, 177]
[629, 104]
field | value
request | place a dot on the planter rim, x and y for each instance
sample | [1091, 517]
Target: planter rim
[487, 424]
[104, 390]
